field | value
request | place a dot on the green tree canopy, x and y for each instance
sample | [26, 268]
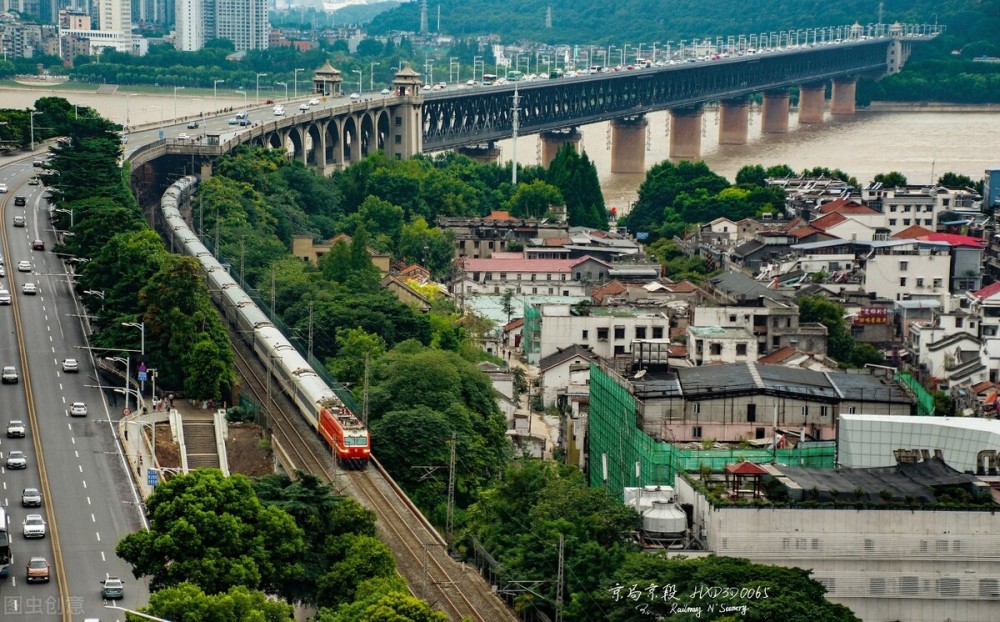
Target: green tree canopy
[187, 602]
[213, 532]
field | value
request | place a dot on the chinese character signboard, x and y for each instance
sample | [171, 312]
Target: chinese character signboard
[872, 315]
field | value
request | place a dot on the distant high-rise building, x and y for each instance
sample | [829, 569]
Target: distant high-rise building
[244, 22]
[115, 15]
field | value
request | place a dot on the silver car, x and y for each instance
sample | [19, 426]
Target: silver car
[34, 526]
[31, 498]
[15, 429]
[78, 409]
[16, 460]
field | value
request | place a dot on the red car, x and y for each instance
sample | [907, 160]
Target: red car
[38, 245]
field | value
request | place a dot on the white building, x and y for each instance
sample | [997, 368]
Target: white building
[715, 344]
[948, 349]
[552, 277]
[606, 331]
[916, 562]
[115, 16]
[909, 270]
[917, 205]
[244, 22]
[565, 376]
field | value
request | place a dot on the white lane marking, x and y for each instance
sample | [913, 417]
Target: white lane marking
[98, 536]
[88, 500]
[48, 328]
[73, 440]
[84, 483]
[60, 386]
[93, 518]
[102, 557]
[64, 399]
[76, 453]
[80, 466]
[51, 339]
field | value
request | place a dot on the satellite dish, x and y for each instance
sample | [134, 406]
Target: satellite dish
[639, 374]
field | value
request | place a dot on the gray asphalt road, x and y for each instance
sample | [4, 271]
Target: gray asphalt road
[90, 503]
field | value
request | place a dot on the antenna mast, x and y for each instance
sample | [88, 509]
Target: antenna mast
[423, 17]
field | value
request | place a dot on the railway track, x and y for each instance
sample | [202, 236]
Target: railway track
[421, 554]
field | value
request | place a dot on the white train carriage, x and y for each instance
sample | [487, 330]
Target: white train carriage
[313, 391]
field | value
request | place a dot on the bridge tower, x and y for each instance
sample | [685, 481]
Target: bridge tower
[407, 128]
[775, 112]
[685, 132]
[734, 115]
[812, 103]
[628, 144]
[553, 141]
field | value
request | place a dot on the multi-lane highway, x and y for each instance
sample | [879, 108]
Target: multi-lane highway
[89, 502]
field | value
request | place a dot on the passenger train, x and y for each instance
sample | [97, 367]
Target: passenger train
[326, 413]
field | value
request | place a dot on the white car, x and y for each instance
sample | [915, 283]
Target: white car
[303, 107]
[29, 289]
[5, 298]
[314, 102]
[355, 97]
[34, 526]
[3, 188]
[9, 375]
[71, 366]
[24, 266]
[15, 429]
[78, 409]
[16, 460]
[183, 136]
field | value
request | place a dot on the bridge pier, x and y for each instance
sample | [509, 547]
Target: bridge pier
[844, 90]
[487, 153]
[206, 170]
[734, 115]
[628, 144]
[685, 133]
[812, 103]
[775, 112]
[319, 146]
[553, 141]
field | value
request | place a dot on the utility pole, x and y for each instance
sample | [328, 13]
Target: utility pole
[309, 347]
[216, 249]
[364, 396]
[243, 252]
[516, 125]
[450, 522]
[559, 579]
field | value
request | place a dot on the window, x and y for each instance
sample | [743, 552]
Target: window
[398, 139]
[586, 333]
[906, 222]
[815, 544]
[696, 408]
[519, 276]
[902, 281]
[550, 291]
[876, 585]
[488, 276]
[989, 588]
[696, 431]
[948, 586]
[619, 332]
[534, 290]
[741, 349]
[958, 322]
[399, 121]
[824, 411]
[565, 292]
[602, 334]
[869, 545]
[657, 332]
[640, 332]
[938, 282]
[851, 410]
[903, 265]
[715, 349]
[533, 277]
[805, 411]
[619, 350]
[920, 281]
[759, 433]
[562, 277]
[503, 275]
[909, 586]
[751, 413]
[892, 222]
[577, 276]
[732, 318]
[776, 341]
[829, 583]
[548, 277]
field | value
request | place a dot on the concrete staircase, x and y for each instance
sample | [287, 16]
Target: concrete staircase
[199, 439]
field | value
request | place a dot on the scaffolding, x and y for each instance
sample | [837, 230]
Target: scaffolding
[622, 455]
[925, 401]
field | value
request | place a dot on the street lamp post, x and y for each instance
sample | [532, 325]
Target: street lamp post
[136, 613]
[176, 88]
[295, 77]
[372, 76]
[215, 92]
[475, 63]
[284, 84]
[128, 370]
[32, 121]
[127, 95]
[65, 211]
[360, 86]
[142, 348]
[243, 92]
[259, 76]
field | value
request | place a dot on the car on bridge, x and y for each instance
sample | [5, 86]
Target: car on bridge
[37, 570]
[16, 460]
[78, 409]
[24, 266]
[38, 245]
[5, 298]
[29, 289]
[19, 221]
[314, 102]
[245, 122]
[192, 125]
[112, 588]
[233, 121]
[3, 188]
[20, 201]
[9, 375]
[31, 498]
[15, 428]
[33, 526]
[71, 366]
